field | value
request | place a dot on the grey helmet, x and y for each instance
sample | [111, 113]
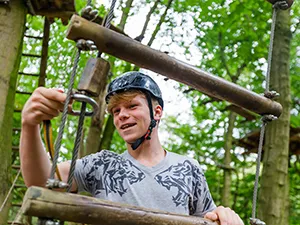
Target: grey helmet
[135, 80]
[138, 81]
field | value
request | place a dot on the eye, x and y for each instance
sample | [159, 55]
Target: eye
[132, 106]
[116, 111]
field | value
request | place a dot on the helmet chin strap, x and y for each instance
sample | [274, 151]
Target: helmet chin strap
[147, 136]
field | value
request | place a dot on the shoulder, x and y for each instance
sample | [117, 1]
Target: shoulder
[185, 163]
[104, 155]
[174, 157]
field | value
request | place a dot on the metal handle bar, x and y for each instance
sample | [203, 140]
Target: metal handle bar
[84, 98]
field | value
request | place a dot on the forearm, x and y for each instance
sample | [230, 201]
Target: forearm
[35, 164]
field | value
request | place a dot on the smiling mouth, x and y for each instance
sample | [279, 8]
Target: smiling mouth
[125, 126]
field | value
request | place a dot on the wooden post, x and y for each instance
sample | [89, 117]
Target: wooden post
[143, 56]
[41, 202]
[12, 26]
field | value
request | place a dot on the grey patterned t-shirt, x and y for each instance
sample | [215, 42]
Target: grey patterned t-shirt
[177, 184]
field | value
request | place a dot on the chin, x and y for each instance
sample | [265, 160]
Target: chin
[132, 139]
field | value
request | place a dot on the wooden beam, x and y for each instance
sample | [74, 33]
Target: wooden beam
[41, 202]
[143, 56]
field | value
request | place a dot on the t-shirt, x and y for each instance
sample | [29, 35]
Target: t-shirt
[176, 184]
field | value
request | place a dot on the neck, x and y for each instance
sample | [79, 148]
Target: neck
[149, 153]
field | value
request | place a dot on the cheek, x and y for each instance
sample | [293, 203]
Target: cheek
[115, 121]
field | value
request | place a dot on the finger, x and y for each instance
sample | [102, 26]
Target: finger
[38, 109]
[52, 104]
[52, 94]
[222, 215]
[38, 101]
[238, 219]
[35, 117]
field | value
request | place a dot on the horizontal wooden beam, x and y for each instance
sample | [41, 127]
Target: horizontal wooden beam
[41, 202]
[143, 56]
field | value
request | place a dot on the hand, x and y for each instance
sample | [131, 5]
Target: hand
[43, 104]
[226, 216]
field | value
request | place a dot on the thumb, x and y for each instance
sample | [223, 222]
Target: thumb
[211, 216]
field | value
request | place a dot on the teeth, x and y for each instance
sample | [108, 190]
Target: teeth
[126, 126]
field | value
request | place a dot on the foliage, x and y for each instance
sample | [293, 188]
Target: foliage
[231, 37]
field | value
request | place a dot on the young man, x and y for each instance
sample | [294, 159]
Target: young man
[145, 175]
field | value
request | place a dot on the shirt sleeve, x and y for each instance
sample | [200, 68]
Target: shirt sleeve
[82, 174]
[202, 201]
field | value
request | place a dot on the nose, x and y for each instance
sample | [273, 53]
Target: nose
[123, 114]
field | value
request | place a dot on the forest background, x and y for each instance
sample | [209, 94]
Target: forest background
[227, 38]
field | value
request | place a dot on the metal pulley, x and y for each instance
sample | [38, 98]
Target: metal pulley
[93, 79]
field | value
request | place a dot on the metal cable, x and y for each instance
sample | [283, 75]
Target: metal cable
[108, 19]
[76, 145]
[110, 15]
[260, 146]
[89, 2]
[64, 115]
[274, 16]
[262, 131]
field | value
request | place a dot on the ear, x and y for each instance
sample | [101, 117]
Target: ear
[158, 112]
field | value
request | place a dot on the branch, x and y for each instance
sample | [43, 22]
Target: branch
[142, 35]
[223, 60]
[162, 19]
[125, 14]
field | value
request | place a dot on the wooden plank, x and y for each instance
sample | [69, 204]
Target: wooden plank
[143, 56]
[41, 202]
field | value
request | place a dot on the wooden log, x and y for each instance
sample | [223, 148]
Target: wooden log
[41, 202]
[143, 56]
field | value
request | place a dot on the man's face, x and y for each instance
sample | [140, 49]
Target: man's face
[132, 118]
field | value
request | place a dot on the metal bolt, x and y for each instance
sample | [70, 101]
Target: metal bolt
[53, 183]
[255, 221]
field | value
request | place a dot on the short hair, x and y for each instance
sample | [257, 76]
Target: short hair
[127, 96]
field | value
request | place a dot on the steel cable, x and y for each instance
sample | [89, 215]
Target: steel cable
[64, 115]
[262, 131]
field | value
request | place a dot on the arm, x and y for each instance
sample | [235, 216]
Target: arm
[44, 104]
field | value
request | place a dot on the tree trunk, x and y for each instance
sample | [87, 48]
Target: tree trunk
[107, 134]
[95, 130]
[273, 199]
[12, 24]
[225, 201]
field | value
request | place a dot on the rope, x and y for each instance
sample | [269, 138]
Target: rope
[76, 145]
[10, 190]
[48, 137]
[64, 115]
